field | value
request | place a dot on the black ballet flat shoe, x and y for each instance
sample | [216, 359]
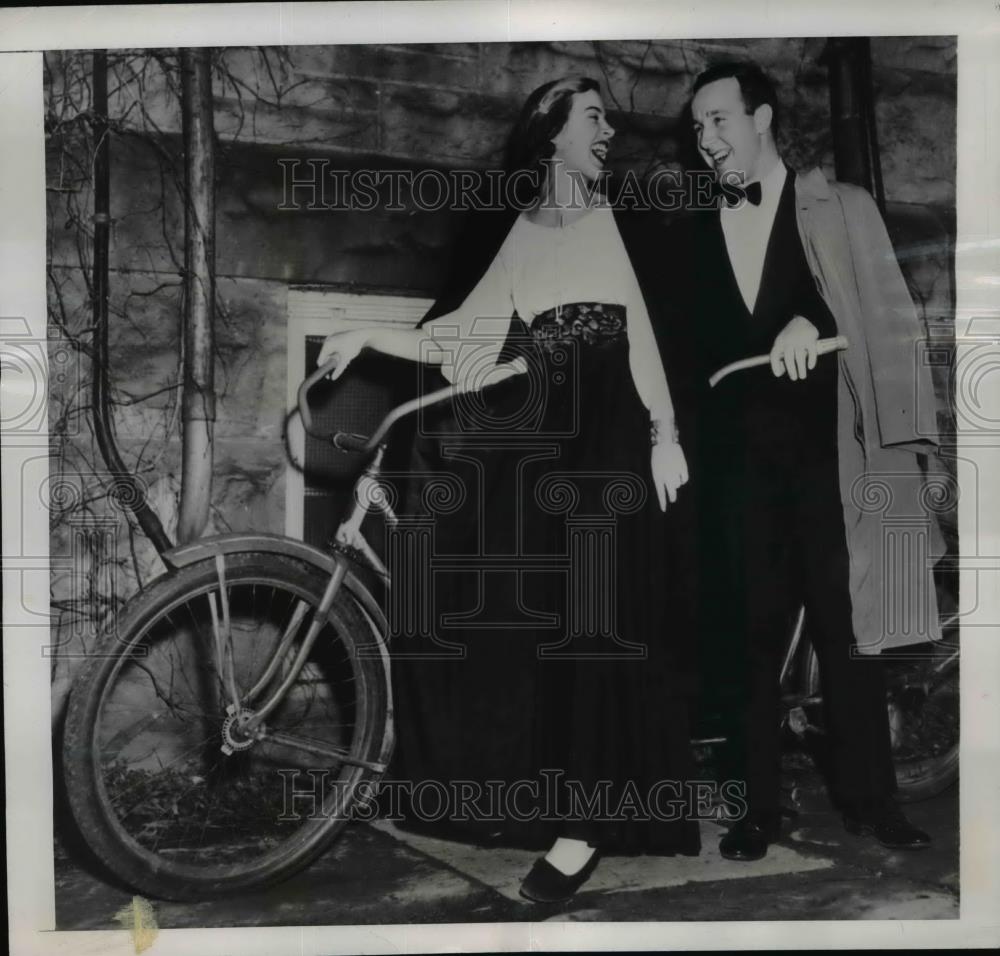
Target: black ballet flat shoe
[545, 884]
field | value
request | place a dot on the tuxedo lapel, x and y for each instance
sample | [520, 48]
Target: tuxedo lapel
[771, 278]
[719, 251]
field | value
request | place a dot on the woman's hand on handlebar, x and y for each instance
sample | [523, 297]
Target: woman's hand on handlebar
[670, 470]
[344, 347]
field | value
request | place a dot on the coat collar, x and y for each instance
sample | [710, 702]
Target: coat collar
[812, 185]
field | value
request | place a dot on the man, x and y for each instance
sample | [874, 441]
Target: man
[780, 450]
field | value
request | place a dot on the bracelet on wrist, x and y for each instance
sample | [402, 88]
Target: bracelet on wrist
[658, 433]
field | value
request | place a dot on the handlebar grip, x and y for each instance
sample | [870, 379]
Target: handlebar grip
[824, 346]
[303, 394]
[342, 440]
[346, 441]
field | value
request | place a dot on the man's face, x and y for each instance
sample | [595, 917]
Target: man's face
[729, 139]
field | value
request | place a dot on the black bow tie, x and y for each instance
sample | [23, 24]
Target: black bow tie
[733, 195]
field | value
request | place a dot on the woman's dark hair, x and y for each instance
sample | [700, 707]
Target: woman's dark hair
[755, 87]
[543, 115]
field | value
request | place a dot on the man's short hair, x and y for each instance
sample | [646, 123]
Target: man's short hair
[755, 86]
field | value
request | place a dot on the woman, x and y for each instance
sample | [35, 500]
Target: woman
[548, 685]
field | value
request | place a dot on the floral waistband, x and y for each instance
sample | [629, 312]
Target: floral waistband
[593, 323]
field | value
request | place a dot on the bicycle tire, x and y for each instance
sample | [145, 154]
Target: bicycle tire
[932, 769]
[145, 722]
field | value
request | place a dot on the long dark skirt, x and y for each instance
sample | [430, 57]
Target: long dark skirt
[536, 670]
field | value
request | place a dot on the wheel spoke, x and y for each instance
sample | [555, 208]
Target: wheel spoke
[322, 749]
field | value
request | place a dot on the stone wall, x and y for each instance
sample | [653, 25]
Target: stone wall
[449, 106]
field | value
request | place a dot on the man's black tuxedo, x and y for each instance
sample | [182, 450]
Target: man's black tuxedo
[770, 527]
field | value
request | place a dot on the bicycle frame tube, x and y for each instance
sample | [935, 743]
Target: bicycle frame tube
[223, 635]
[793, 646]
[279, 655]
[368, 496]
[319, 619]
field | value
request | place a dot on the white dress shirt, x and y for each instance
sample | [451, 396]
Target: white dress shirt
[747, 229]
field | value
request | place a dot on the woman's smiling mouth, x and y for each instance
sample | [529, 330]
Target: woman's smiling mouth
[600, 152]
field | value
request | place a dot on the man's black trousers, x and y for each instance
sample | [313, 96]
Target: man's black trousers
[772, 539]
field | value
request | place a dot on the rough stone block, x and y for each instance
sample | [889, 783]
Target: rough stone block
[652, 76]
[933, 54]
[347, 95]
[444, 126]
[248, 492]
[148, 218]
[455, 51]
[247, 486]
[636, 150]
[417, 64]
[278, 81]
[252, 345]
[917, 144]
[144, 92]
[922, 238]
[378, 248]
[515, 69]
[261, 122]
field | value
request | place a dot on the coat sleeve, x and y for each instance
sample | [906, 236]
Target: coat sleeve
[904, 390]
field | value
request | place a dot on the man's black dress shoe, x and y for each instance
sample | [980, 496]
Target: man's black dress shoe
[888, 824]
[749, 838]
[545, 884]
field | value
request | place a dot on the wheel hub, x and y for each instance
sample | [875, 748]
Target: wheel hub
[235, 736]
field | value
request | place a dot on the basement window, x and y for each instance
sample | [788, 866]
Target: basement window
[319, 477]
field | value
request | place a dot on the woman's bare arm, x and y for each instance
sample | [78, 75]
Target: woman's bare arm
[414, 344]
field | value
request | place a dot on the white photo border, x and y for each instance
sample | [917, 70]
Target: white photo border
[25, 546]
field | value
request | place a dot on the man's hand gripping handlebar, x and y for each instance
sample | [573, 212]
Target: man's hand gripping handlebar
[823, 347]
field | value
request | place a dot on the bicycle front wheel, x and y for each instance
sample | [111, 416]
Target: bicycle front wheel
[165, 789]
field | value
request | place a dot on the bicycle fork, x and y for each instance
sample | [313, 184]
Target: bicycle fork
[243, 726]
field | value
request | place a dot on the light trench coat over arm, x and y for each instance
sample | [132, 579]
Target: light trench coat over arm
[886, 416]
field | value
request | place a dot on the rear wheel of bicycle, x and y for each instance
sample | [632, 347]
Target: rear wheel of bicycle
[164, 788]
[924, 722]
[923, 705]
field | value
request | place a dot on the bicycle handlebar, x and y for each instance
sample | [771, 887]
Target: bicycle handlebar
[345, 441]
[823, 346]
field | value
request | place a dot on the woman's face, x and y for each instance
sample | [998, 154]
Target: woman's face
[582, 144]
